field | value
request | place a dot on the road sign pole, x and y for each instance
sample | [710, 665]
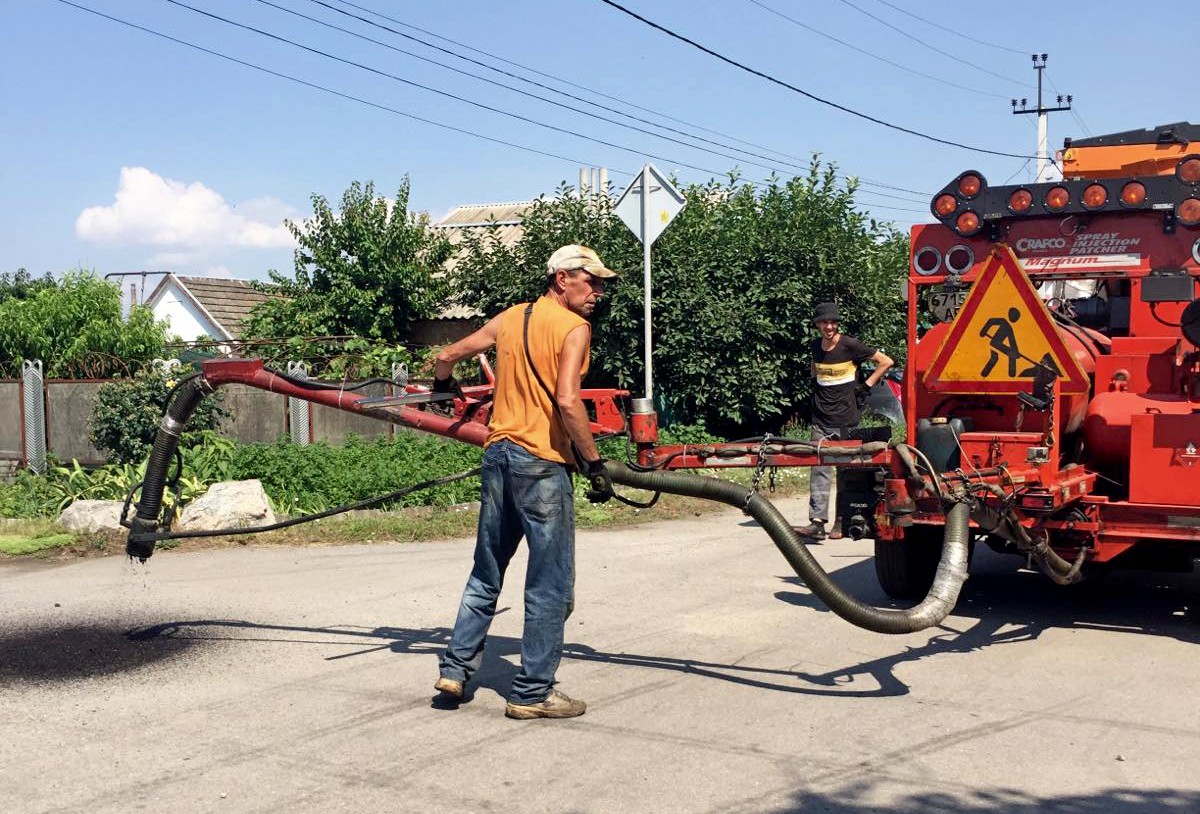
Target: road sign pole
[646, 277]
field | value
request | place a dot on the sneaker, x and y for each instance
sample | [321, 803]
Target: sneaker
[449, 686]
[835, 533]
[556, 705]
[815, 530]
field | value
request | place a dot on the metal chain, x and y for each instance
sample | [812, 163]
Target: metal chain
[761, 467]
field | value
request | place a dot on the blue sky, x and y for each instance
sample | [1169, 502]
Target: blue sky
[124, 151]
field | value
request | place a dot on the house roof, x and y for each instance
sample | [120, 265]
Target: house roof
[227, 302]
[506, 219]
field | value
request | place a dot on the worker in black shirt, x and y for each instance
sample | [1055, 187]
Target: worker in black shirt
[836, 404]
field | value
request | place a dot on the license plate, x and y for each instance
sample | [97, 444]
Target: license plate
[945, 304]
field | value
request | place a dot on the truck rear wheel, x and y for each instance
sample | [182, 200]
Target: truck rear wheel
[905, 568]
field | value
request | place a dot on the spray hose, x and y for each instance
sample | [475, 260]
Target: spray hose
[951, 570]
[146, 526]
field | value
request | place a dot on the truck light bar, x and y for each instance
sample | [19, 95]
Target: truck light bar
[967, 204]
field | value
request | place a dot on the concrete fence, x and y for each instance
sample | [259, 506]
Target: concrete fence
[54, 415]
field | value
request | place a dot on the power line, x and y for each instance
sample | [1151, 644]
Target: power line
[1074, 115]
[976, 40]
[559, 79]
[872, 54]
[378, 106]
[330, 91]
[447, 94]
[902, 32]
[803, 92]
[861, 180]
[525, 93]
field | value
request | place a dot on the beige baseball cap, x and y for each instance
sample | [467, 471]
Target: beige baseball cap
[574, 256]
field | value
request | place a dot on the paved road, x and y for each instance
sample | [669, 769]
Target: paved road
[256, 680]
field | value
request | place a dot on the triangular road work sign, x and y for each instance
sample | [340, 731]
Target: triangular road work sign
[1002, 336]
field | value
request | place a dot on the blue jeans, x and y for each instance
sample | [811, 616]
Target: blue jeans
[522, 496]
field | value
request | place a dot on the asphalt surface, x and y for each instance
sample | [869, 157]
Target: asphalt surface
[300, 679]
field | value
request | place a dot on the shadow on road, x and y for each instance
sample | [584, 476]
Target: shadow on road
[994, 801]
[1011, 605]
[1008, 606]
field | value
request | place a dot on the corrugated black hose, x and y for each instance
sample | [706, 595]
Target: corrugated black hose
[951, 570]
[166, 442]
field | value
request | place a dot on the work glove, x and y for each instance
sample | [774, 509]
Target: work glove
[862, 391]
[448, 385]
[600, 485]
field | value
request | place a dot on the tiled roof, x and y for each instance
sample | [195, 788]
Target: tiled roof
[228, 301]
[505, 218]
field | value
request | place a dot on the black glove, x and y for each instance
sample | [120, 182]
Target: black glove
[600, 485]
[862, 391]
[448, 385]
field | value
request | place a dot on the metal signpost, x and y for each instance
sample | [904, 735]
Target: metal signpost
[647, 206]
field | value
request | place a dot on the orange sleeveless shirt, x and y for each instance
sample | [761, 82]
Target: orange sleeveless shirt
[523, 413]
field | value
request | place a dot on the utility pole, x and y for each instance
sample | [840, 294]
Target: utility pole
[1043, 161]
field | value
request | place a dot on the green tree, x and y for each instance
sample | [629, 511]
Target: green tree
[736, 277]
[75, 327]
[21, 285]
[369, 270]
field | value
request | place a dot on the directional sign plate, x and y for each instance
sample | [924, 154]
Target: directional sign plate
[1001, 336]
[665, 201]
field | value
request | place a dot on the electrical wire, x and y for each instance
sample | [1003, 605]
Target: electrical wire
[872, 54]
[386, 108]
[430, 89]
[860, 179]
[323, 89]
[801, 91]
[976, 40]
[559, 79]
[933, 48]
[541, 85]
[517, 90]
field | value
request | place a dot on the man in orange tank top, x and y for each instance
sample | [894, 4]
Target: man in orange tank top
[538, 432]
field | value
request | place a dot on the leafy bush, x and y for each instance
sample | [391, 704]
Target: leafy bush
[127, 414]
[75, 327]
[368, 270]
[736, 277]
[302, 479]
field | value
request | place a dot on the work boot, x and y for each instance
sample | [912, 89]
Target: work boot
[449, 686]
[815, 530]
[555, 705]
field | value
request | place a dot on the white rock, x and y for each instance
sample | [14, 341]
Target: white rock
[93, 515]
[229, 504]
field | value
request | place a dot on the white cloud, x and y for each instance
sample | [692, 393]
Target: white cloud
[157, 211]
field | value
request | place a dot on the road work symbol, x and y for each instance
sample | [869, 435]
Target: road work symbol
[1001, 337]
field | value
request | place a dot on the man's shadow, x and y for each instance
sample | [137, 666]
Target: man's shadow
[1007, 606]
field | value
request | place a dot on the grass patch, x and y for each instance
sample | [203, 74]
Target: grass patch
[412, 524]
[16, 544]
[417, 524]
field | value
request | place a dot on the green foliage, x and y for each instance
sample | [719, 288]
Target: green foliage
[75, 327]
[21, 285]
[127, 413]
[30, 495]
[736, 277]
[369, 270]
[302, 479]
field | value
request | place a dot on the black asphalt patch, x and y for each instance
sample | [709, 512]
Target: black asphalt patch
[86, 651]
